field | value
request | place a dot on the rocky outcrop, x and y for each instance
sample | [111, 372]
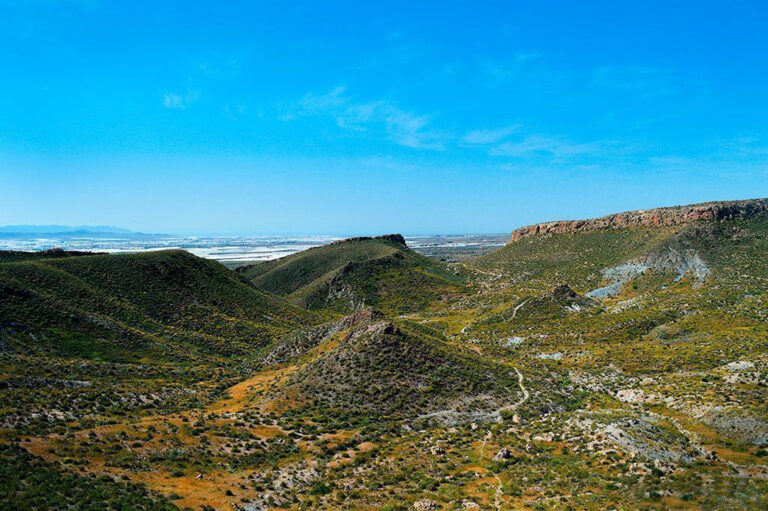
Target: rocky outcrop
[725, 210]
[425, 505]
[679, 262]
[297, 344]
[563, 293]
[396, 238]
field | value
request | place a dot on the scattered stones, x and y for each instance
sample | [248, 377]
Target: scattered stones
[425, 505]
[741, 365]
[550, 356]
[633, 396]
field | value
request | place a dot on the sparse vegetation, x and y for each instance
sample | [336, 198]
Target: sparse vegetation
[161, 380]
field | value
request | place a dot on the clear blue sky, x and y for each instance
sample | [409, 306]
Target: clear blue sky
[370, 117]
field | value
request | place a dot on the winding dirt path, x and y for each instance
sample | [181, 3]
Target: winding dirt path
[514, 311]
[521, 401]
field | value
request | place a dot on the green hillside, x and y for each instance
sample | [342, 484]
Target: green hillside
[381, 272]
[659, 271]
[169, 305]
[28, 482]
[577, 258]
[98, 336]
[10, 256]
[614, 363]
[695, 261]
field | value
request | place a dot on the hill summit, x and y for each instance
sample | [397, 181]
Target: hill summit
[395, 238]
[346, 275]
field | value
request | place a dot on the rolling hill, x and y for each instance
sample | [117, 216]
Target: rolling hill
[612, 363]
[380, 272]
[392, 370]
[166, 304]
[665, 294]
[14, 256]
[93, 337]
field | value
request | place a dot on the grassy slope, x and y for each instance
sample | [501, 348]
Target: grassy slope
[529, 268]
[289, 274]
[345, 275]
[96, 338]
[681, 334]
[662, 339]
[167, 304]
[544, 261]
[12, 256]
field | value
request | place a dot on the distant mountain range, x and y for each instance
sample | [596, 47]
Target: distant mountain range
[24, 231]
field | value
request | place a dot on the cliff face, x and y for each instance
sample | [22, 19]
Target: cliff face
[651, 217]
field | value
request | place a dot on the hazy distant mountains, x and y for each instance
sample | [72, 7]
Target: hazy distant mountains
[28, 231]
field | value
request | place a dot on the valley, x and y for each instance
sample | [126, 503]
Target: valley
[614, 363]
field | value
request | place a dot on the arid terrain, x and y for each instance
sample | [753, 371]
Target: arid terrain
[614, 363]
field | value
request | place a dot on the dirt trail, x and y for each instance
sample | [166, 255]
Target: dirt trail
[497, 498]
[498, 501]
[487, 437]
[514, 311]
[496, 414]
[521, 401]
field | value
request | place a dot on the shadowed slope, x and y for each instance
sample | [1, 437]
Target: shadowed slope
[167, 304]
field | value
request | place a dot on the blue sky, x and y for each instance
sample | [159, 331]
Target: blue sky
[370, 117]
